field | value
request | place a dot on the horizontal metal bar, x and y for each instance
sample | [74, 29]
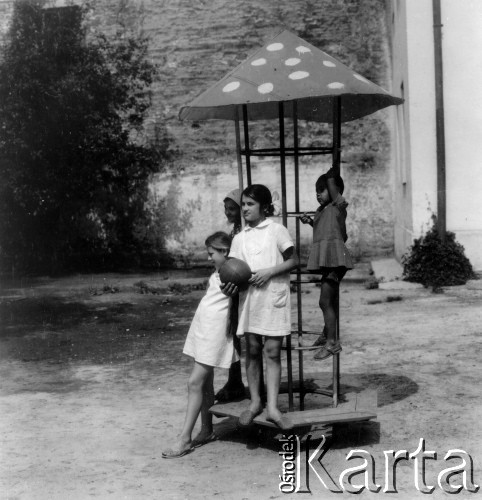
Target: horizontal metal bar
[299, 214]
[305, 332]
[253, 153]
[312, 148]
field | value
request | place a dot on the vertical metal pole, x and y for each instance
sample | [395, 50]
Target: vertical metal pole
[282, 160]
[298, 271]
[246, 144]
[282, 157]
[238, 153]
[440, 121]
[336, 165]
[248, 178]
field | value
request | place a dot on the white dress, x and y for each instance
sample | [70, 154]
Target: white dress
[208, 340]
[265, 310]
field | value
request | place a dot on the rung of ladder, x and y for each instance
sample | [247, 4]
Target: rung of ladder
[302, 347]
[306, 332]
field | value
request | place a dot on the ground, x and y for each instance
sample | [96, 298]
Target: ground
[93, 388]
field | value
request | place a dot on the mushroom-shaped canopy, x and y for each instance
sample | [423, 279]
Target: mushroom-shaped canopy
[289, 69]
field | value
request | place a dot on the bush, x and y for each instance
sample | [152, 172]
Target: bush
[74, 165]
[435, 263]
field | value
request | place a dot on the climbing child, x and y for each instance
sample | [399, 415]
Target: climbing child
[234, 388]
[210, 345]
[329, 255]
[264, 309]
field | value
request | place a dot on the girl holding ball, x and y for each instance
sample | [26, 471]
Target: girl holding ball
[264, 309]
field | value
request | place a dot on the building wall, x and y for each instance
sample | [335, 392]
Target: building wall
[196, 43]
[412, 46]
[416, 161]
[462, 70]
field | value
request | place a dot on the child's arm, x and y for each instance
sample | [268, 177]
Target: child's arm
[262, 276]
[332, 187]
[306, 219]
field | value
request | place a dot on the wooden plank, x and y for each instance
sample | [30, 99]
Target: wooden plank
[359, 407]
[323, 416]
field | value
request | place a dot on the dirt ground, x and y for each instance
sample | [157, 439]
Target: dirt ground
[93, 388]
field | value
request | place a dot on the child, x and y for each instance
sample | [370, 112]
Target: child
[234, 388]
[329, 255]
[232, 210]
[264, 310]
[209, 343]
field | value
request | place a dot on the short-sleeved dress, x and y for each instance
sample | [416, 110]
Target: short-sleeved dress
[329, 235]
[265, 310]
[208, 340]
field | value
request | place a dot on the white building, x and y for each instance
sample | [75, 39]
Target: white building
[413, 47]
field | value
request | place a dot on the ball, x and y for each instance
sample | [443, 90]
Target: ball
[235, 271]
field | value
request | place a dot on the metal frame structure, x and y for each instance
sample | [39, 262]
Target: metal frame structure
[288, 77]
[283, 151]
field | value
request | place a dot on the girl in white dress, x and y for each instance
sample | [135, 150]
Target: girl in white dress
[210, 344]
[264, 309]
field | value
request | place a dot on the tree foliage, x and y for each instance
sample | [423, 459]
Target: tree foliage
[437, 263]
[74, 174]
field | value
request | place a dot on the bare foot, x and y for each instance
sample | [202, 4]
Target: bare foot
[279, 419]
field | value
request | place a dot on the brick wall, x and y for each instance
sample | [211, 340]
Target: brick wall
[196, 42]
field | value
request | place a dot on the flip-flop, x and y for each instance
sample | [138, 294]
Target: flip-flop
[246, 418]
[284, 422]
[327, 351]
[196, 443]
[171, 453]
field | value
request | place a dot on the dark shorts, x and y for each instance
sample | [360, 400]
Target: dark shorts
[335, 274]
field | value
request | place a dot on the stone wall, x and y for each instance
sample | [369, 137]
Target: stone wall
[196, 42]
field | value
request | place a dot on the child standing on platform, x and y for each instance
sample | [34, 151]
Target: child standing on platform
[329, 255]
[264, 309]
[234, 388]
[208, 342]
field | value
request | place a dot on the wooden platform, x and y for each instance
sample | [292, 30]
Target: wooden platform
[356, 408]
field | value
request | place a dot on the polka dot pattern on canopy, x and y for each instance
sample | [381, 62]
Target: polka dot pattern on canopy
[274, 47]
[292, 61]
[359, 77]
[288, 68]
[258, 62]
[231, 86]
[277, 53]
[265, 88]
[299, 75]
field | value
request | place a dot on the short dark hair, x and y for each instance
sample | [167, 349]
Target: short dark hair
[261, 194]
[219, 240]
[322, 183]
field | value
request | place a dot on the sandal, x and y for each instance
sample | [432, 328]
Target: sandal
[246, 418]
[327, 350]
[172, 453]
[196, 443]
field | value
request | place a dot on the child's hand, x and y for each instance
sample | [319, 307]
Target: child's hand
[229, 289]
[260, 277]
[306, 219]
